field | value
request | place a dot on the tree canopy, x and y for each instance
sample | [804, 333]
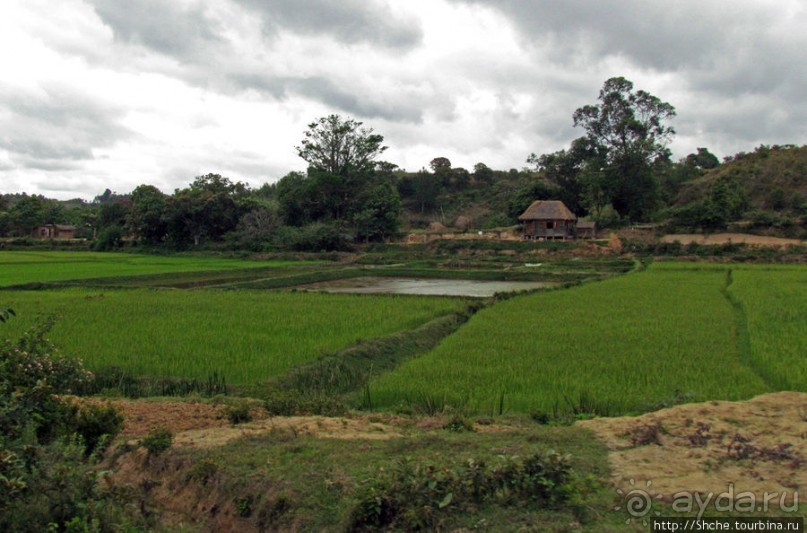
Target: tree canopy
[340, 146]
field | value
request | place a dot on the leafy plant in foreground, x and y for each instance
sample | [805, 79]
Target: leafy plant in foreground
[419, 496]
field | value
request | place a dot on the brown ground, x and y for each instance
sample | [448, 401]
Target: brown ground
[142, 416]
[735, 238]
[758, 445]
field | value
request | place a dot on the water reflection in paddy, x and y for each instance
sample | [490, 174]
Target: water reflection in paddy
[431, 287]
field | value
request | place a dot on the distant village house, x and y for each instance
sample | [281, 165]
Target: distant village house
[552, 220]
[55, 231]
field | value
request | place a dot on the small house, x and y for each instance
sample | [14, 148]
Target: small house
[55, 231]
[549, 220]
[586, 229]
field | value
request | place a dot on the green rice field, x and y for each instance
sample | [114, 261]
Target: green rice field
[674, 332]
[246, 336]
[40, 267]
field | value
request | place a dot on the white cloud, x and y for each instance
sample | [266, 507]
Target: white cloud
[99, 93]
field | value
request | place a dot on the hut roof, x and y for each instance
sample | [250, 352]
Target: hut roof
[547, 210]
[60, 227]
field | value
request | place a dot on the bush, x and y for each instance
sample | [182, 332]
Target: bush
[239, 414]
[98, 426]
[46, 479]
[286, 402]
[157, 441]
[415, 497]
[314, 238]
[58, 490]
[110, 238]
[203, 471]
[33, 359]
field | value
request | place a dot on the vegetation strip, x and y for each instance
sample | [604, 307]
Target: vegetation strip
[740, 326]
[350, 370]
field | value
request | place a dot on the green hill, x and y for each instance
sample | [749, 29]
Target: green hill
[773, 178]
[763, 191]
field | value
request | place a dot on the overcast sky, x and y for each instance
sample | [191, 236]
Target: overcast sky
[99, 94]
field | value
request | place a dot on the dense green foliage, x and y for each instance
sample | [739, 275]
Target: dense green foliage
[48, 447]
[416, 497]
[618, 346]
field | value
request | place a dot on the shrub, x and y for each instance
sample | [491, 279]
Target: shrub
[46, 479]
[459, 424]
[415, 497]
[285, 402]
[98, 426]
[239, 414]
[110, 238]
[157, 441]
[203, 471]
[34, 359]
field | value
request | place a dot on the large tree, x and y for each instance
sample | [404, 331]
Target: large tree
[631, 127]
[204, 211]
[344, 184]
[147, 218]
[340, 146]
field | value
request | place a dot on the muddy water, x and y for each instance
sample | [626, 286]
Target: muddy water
[431, 287]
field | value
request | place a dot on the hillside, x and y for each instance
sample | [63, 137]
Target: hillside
[772, 178]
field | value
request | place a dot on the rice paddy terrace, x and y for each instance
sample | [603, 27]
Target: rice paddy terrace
[673, 332]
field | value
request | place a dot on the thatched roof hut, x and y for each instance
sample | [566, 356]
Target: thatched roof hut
[548, 219]
[547, 210]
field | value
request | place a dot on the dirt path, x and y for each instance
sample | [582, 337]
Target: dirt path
[735, 238]
[759, 445]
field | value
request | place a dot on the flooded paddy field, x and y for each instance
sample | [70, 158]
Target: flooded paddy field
[425, 287]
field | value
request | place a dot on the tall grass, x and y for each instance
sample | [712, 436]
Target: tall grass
[246, 336]
[613, 347]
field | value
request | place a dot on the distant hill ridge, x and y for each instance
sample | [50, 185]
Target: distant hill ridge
[773, 178]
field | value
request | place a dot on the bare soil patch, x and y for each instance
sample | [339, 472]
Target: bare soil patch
[759, 445]
[142, 416]
[733, 238]
[206, 425]
[315, 426]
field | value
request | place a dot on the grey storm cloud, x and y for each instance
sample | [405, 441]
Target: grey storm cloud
[186, 32]
[163, 27]
[344, 97]
[194, 37]
[657, 35]
[348, 21]
[741, 62]
[56, 127]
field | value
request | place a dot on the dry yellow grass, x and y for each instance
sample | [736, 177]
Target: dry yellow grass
[683, 462]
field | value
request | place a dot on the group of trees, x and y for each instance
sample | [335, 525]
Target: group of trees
[620, 159]
[345, 185]
[345, 195]
[619, 169]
